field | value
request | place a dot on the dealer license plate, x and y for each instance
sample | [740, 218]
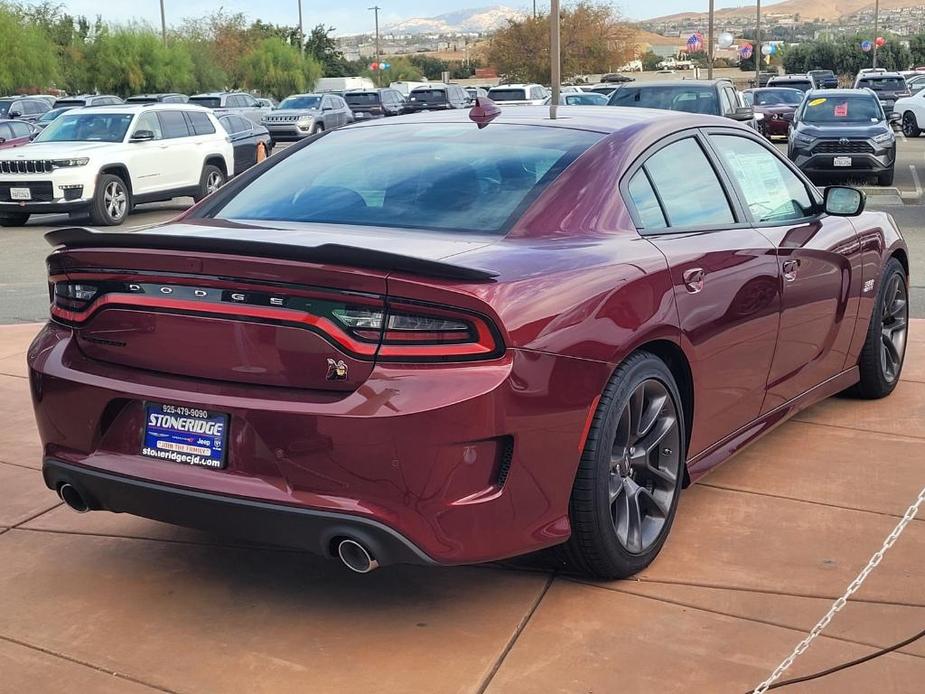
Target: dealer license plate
[842, 161]
[20, 194]
[185, 435]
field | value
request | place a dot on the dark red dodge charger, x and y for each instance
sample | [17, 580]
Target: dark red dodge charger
[439, 341]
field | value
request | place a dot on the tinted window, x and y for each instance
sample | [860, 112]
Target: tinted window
[690, 99]
[883, 83]
[173, 124]
[149, 121]
[777, 97]
[447, 176]
[20, 129]
[688, 186]
[70, 102]
[5, 108]
[843, 109]
[5, 131]
[301, 102]
[363, 99]
[586, 99]
[200, 123]
[772, 191]
[229, 123]
[247, 101]
[429, 96]
[507, 95]
[647, 208]
[802, 85]
[207, 101]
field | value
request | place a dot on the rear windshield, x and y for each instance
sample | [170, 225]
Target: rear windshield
[843, 109]
[362, 99]
[5, 108]
[428, 96]
[69, 102]
[802, 85]
[443, 176]
[822, 73]
[674, 98]
[883, 83]
[141, 100]
[207, 101]
[777, 97]
[507, 95]
[586, 99]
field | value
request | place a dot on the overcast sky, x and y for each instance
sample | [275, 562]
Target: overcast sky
[348, 16]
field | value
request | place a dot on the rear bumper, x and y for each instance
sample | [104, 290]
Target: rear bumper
[276, 524]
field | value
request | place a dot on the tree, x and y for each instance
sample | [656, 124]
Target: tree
[31, 59]
[323, 48]
[650, 61]
[278, 69]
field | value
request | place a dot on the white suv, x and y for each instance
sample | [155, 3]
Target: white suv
[518, 94]
[104, 160]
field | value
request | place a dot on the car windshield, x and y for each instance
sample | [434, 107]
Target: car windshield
[507, 95]
[87, 127]
[843, 109]
[300, 103]
[445, 176]
[362, 99]
[429, 96]
[802, 85]
[777, 97]
[587, 99]
[207, 101]
[822, 73]
[690, 99]
[886, 84]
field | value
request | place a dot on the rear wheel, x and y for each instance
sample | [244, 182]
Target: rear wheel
[910, 125]
[629, 479]
[111, 201]
[881, 359]
[317, 128]
[14, 219]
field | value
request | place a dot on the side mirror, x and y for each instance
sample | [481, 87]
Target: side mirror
[844, 201]
[742, 113]
[15, 114]
[142, 136]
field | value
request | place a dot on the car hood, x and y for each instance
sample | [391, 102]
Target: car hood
[59, 150]
[293, 112]
[842, 129]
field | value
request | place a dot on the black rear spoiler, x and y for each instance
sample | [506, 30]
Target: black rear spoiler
[329, 253]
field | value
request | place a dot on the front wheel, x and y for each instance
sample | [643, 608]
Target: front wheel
[910, 125]
[111, 201]
[630, 474]
[212, 179]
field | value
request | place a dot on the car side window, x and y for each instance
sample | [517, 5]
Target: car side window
[688, 187]
[5, 132]
[243, 124]
[248, 101]
[20, 129]
[149, 121]
[325, 103]
[173, 124]
[647, 206]
[200, 123]
[725, 104]
[772, 191]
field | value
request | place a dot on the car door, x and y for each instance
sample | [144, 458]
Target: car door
[146, 157]
[180, 169]
[242, 139]
[327, 113]
[725, 276]
[820, 263]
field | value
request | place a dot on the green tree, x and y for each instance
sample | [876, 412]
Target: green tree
[650, 61]
[278, 69]
[323, 48]
[30, 61]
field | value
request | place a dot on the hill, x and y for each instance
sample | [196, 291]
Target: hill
[829, 10]
[481, 20]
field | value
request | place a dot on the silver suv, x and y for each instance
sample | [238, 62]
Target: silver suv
[301, 115]
[239, 103]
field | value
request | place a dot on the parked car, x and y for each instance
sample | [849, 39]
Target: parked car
[437, 97]
[617, 78]
[911, 111]
[22, 108]
[86, 100]
[888, 86]
[301, 115]
[375, 103]
[165, 98]
[438, 349]
[240, 103]
[476, 92]
[518, 94]
[102, 161]
[777, 105]
[915, 84]
[824, 79]
[802, 82]
[16, 133]
[50, 115]
[49, 98]
[252, 143]
[580, 99]
[843, 132]
[267, 102]
[716, 97]
[604, 89]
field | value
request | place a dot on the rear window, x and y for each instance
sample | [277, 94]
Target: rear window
[507, 95]
[141, 100]
[207, 101]
[883, 83]
[446, 176]
[363, 99]
[429, 96]
[70, 102]
[674, 98]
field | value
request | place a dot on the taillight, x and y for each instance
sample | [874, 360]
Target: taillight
[74, 296]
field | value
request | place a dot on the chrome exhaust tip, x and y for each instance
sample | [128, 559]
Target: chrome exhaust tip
[70, 496]
[356, 557]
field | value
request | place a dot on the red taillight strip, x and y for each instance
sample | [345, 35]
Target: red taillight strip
[485, 344]
[322, 324]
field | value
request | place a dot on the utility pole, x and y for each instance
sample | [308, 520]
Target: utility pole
[376, 9]
[757, 52]
[876, 28]
[534, 9]
[163, 24]
[301, 30]
[554, 57]
[710, 43]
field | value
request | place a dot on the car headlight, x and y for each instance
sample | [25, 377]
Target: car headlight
[66, 163]
[885, 138]
[305, 120]
[803, 140]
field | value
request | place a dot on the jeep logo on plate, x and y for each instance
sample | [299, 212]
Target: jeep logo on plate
[337, 370]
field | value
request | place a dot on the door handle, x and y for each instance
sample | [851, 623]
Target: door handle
[789, 269]
[693, 279]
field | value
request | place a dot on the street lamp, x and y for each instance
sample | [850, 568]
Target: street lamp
[301, 30]
[757, 51]
[163, 24]
[554, 57]
[376, 9]
[710, 44]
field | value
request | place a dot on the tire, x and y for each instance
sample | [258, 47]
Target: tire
[14, 219]
[910, 125]
[885, 178]
[615, 477]
[884, 349]
[316, 128]
[111, 203]
[212, 179]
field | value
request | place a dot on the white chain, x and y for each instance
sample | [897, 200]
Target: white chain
[843, 600]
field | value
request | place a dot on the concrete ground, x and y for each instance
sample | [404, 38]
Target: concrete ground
[102, 602]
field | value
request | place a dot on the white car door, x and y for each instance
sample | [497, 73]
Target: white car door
[182, 168]
[145, 154]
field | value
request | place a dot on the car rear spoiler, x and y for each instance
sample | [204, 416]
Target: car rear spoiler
[329, 253]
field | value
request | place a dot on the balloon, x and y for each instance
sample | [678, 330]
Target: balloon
[866, 46]
[384, 66]
[766, 49]
[880, 41]
[745, 51]
[374, 66]
[725, 39]
[773, 48]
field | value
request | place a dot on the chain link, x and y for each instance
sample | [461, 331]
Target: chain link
[843, 600]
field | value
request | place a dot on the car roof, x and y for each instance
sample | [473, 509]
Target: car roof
[878, 75]
[517, 85]
[137, 108]
[841, 92]
[218, 94]
[670, 83]
[790, 78]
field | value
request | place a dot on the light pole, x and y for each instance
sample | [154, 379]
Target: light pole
[163, 24]
[757, 51]
[876, 28]
[710, 44]
[301, 30]
[376, 9]
[554, 57]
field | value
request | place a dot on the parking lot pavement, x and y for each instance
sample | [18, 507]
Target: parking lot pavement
[760, 548]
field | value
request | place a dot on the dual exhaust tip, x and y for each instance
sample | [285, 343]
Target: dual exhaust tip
[353, 554]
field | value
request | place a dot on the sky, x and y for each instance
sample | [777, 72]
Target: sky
[347, 16]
